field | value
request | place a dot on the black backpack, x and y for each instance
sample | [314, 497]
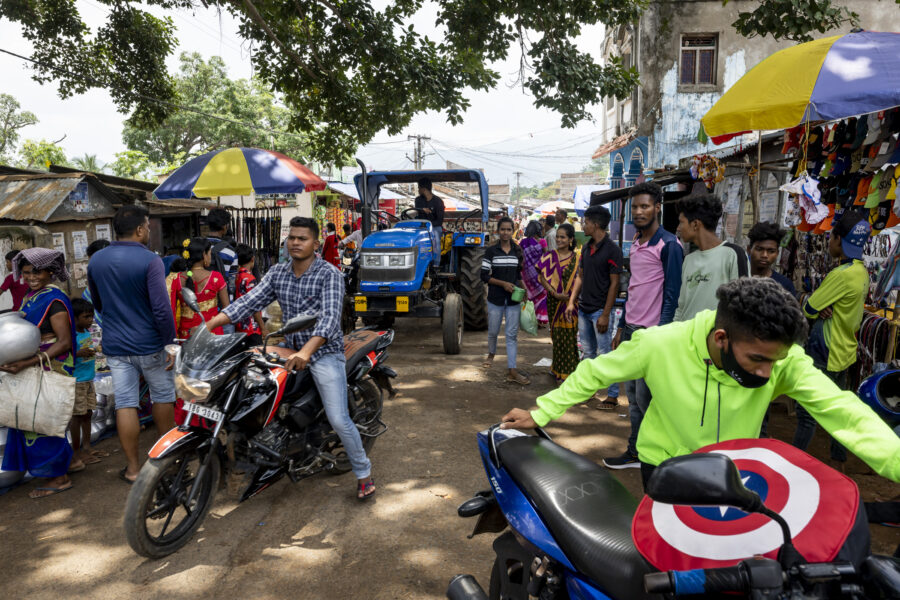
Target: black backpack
[219, 265]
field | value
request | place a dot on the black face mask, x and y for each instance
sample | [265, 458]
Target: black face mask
[738, 373]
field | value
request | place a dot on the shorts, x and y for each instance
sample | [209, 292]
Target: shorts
[85, 398]
[126, 372]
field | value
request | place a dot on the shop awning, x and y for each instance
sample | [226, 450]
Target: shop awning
[348, 189]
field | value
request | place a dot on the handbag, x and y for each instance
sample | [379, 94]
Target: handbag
[528, 320]
[37, 400]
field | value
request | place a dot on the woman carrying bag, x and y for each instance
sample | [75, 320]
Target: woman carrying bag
[47, 307]
[557, 271]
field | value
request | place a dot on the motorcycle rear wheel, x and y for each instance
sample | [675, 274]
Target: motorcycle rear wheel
[159, 496]
[370, 402]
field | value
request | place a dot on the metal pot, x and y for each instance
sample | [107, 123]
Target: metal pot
[18, 338]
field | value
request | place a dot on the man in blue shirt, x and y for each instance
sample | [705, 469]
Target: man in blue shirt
[309, 285]
[128, 288]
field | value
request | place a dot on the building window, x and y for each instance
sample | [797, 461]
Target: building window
[698, 59]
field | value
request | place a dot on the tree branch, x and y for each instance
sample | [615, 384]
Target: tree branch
[261, 23]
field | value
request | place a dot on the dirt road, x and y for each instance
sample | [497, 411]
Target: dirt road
[315, 540]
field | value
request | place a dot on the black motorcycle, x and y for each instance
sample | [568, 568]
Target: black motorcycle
[250, 421]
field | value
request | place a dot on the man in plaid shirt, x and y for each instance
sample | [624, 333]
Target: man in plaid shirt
[309, 285]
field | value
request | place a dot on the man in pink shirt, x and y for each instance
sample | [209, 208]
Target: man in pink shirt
[17, 288]
[655, 265]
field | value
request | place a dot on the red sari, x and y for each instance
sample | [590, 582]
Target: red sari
[207, 297]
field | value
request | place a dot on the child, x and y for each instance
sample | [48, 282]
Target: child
[85, 398]
[252, 326]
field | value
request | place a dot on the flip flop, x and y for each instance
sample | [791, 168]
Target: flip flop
[91, 460]
[77, 469]
[124, 477]
[364, 488]
[53, 491]
[607, 405]
[100, 453]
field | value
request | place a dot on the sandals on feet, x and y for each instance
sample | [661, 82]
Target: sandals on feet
[78, 468]
[91, 459]
[487, 363]
[366, 490]
[124, 477]
[51, 491]
[518, 378]
[607, 404]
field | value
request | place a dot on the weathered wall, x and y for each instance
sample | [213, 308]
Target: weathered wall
[670, 117]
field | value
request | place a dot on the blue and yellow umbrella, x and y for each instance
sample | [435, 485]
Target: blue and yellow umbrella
[823, 80]
[239, 172]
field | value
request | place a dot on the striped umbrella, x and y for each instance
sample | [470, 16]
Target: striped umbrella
[452, 204]
[239, 172]
[823, 80]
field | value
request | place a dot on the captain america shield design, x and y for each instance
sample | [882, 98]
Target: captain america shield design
[818, 503]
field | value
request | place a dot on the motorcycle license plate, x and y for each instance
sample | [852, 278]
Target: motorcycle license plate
[402, 304]
[360, 304]
[203, 411]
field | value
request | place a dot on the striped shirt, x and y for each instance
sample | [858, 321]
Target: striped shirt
[319, 291]
[505, 266]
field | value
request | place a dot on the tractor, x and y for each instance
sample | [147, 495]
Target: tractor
[405, 271]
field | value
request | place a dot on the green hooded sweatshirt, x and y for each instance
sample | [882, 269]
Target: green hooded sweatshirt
[695, 403]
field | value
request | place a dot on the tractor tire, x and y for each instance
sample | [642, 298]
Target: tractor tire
[452, 323]
[473, 289]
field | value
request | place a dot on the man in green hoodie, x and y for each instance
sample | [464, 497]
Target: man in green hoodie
[713, 376]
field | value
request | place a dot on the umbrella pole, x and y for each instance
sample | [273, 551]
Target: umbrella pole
[758, 176]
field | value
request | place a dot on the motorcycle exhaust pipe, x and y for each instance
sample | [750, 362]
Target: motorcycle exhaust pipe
[465, 587]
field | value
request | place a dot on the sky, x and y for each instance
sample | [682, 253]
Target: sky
[502, 133]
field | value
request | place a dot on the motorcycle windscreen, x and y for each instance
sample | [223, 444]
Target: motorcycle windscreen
[205, 350]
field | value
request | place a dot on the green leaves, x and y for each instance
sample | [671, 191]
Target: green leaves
[11, 121]
[40, 154]
[793, 19]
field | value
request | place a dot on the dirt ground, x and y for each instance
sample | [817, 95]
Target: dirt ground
[314, 539]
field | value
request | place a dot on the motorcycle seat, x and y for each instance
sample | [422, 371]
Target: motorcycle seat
[358, 344]
[586, 509]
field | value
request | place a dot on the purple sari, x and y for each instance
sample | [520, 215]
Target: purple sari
[532, 251]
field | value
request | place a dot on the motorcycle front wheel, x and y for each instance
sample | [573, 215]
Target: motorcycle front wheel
[158, 518]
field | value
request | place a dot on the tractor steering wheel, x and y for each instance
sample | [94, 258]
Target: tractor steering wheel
[405, 217]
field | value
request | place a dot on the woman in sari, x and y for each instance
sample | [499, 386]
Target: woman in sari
[533, 247]
[47, 307]
[209, 287]
[556, 272]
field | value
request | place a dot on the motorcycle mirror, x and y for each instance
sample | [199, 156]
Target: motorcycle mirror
[190, 298]
[709, 479]
[298, 323]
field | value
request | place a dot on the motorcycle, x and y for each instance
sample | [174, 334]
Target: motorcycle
[569, 532]
[247, 420]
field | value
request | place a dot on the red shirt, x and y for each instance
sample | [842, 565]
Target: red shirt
[18, 289]
[243, 284]
[330, 250]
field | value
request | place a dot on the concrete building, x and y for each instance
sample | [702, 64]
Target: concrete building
[688, 54]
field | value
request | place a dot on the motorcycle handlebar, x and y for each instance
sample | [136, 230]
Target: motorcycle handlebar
[698, 581]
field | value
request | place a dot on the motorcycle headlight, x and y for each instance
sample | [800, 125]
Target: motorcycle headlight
[190, 389]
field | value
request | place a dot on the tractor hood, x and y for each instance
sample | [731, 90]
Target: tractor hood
[399, 237]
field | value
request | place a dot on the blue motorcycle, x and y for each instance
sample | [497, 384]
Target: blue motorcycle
[566, 532]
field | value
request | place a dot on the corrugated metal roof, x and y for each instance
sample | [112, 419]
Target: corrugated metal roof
[34, 199]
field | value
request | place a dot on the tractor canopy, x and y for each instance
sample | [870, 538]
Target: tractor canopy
[376, 179]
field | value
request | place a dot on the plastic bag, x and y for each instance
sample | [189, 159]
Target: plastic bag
[528, 320]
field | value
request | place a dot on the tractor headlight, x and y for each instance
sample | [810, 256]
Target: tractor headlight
[473, 240]
[372, 260]
[389, 260]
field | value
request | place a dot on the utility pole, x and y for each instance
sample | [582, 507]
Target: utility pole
[419, 154]
[518, 197]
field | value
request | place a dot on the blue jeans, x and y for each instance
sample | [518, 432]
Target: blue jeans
[126, 374]
[495, 318]
[638, 398]
[329, 373]
[594, 343]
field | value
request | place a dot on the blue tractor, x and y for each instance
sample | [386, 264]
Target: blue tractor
[407, 271]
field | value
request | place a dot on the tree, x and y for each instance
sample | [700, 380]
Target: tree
[793, 19]
[600, 166]
[348, 70]
[204, 85]
[11, 121]
[40, 155]
[134, 164]
[88, 162]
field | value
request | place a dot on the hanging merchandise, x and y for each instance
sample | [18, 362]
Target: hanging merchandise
[708, 168]
[806, 191]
